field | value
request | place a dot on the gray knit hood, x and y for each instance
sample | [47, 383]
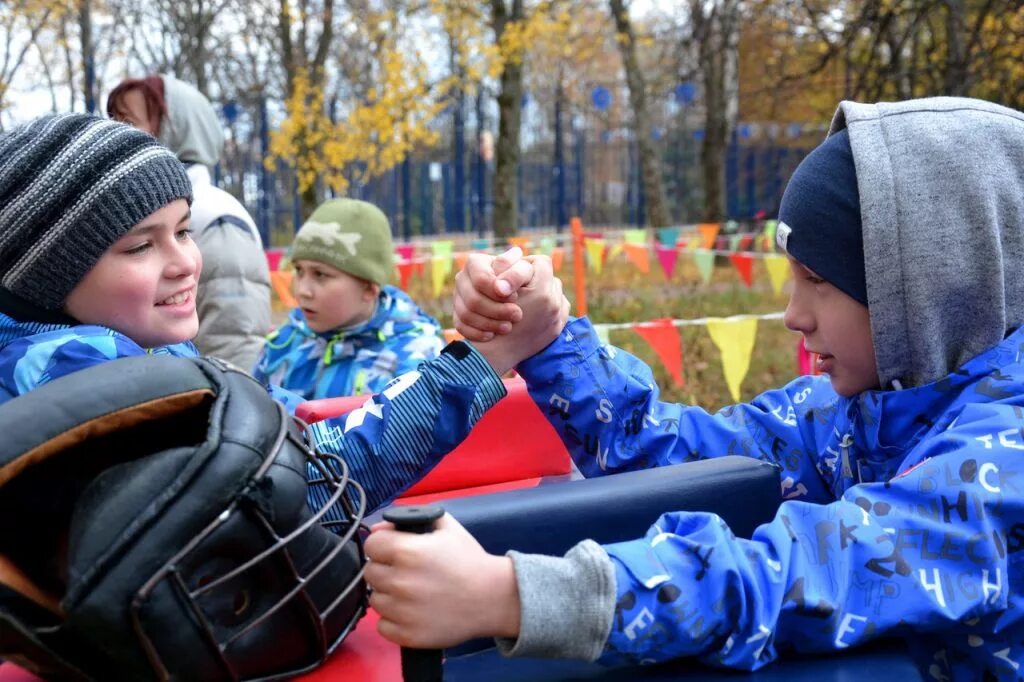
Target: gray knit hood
[191, 128]
[941, 184]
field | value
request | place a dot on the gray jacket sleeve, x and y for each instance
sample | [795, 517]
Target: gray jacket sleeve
[234, 295]
[567, 604]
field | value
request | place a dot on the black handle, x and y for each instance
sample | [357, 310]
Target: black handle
[418, 665]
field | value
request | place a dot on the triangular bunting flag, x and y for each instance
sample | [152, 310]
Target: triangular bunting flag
[635, 236]
[452, 335]
[667, 257]
[557, 256]
[770, 226]
[804, 358]
[480, 244]
[668, 236]
[443, 253]
[708, 234]
[460, 259]
[734, 242]
[744, 265]
[439, 268]
[521, 242]
[281, 282]
[419, 266]
[602, 332]
[637, 254]
[694, 243]
[274, 257]
[663, 337]
[705, 261]
[745, 241]
[595, 254]
[404, 274]
[778, 270]
[547, 245]
[735, 340]
[405, 251]
[613, 252]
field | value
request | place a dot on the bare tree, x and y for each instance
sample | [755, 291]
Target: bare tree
[650, 163]
[714, 40]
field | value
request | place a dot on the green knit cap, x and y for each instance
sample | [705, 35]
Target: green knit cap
[353, 236]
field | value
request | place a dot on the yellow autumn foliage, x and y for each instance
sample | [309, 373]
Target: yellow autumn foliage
[375, 134]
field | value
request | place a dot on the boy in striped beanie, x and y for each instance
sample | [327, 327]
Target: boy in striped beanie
[97, 263]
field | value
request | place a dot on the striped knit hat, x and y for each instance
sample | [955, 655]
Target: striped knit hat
[70, 186]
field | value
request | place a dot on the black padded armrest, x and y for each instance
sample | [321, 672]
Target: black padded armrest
[550, 519]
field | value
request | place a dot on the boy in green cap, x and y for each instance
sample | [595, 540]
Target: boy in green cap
[352, 332]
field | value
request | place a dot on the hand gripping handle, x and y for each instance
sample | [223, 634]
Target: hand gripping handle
[418, 665]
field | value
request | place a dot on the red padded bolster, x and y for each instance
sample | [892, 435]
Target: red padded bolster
[513, 441]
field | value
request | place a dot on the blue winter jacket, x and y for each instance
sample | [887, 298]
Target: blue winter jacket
[389, 443]
[904, 511]
[396, 339]
[904, 506]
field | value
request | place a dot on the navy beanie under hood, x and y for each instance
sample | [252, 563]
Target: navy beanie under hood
[819, 217]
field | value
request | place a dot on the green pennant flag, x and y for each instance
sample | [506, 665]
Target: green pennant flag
[705, 261]
[734, 242]
[547, 245]
[769, 228]
[635, 236]
[668, 236]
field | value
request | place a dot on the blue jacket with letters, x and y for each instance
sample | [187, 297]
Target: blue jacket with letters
[903, 508]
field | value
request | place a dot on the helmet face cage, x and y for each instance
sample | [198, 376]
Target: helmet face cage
[233, 600]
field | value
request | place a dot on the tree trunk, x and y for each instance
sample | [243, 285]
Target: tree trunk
[650, 163]
[718, 37]
[956, 50]
[506, 148]
[88, 55]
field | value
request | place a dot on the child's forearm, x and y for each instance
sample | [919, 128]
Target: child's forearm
[396, 437]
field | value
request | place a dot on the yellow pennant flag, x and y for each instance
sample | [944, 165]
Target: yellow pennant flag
[614, 250]
[637, 254]
[438, 273]
[778, 270]
[595, 254]
[443, 250]
[735, 340]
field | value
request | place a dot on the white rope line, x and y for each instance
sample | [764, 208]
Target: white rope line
[702, 321]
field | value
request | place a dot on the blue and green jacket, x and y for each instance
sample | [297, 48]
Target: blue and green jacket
[389, 443]
[357, 361]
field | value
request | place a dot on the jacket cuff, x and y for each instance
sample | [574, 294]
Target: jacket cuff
[577, 341]
[567, 604]
[461, 363]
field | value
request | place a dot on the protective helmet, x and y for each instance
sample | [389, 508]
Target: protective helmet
[154, 525]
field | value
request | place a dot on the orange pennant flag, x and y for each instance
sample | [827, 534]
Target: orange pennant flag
[744, 265]
[419, 266]
[452, 335]
[663, 337]
[404, 274]
[557, 257]
[708, 234]
[460, 259]
[281, 282]
[521, 242]
[637, 254]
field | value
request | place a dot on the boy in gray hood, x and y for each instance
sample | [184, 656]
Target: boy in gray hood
[901, 466]
[234, 292]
